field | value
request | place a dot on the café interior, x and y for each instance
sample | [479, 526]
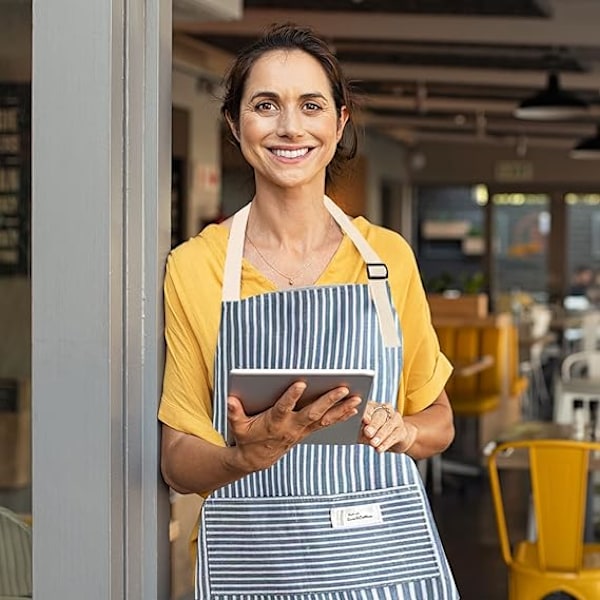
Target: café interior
[480, 145]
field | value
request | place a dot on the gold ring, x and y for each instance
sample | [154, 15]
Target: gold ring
[388, 411]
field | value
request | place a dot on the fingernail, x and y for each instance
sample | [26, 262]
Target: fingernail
[376, 441]
[369, 431]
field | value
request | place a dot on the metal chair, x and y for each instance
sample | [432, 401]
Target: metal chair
[590, 325]
[579, 378]
[531, 355]
[15, 557]
[587, 361]
[558, 560]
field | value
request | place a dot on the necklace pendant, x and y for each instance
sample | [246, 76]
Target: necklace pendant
[290, 282]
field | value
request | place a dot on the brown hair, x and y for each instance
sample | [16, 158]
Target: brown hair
[293, 37]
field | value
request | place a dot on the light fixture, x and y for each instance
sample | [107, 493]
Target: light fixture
[588, 147]
[551, 104]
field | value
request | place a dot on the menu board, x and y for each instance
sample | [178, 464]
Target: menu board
[15, 178]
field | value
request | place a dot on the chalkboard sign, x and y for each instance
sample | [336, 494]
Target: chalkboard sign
[15, 178]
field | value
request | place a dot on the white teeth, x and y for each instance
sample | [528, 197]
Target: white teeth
[290, 153]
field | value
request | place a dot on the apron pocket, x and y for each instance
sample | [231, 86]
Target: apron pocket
[308, 546]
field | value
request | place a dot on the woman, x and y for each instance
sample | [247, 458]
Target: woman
[273, 287]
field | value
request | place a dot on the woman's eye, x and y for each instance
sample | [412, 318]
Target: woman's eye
[312, 106]
[265, 106]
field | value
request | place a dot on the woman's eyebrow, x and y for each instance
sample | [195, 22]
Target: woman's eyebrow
[264, 94]
[313, 95]
[274, 95]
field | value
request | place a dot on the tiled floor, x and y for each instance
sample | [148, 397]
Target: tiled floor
[465, 518]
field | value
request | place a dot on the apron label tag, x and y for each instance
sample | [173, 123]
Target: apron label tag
[356, 516]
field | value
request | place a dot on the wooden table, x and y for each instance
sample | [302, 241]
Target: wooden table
[467, 368]
[527, 430]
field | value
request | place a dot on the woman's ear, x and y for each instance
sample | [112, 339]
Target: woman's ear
[233, 127]
[342, 120]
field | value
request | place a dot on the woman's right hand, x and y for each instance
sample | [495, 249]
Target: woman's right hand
[192, 464]
[262, 439]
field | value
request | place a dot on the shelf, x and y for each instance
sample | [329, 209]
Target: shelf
[445, 230]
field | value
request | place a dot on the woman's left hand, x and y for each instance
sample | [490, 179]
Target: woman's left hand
[385, 429]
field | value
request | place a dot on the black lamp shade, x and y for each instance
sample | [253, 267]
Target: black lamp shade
[551, 104]
[588, 147]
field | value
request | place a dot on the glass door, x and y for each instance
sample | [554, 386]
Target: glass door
[521, 225]
[583, 245]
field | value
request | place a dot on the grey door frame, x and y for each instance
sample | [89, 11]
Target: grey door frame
[101, 152]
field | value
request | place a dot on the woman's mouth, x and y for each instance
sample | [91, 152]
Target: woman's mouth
[290, 153]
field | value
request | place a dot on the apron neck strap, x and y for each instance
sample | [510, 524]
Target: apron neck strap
[377, 272]
[232, 275]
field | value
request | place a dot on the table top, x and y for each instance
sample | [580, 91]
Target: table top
[465, 368]
[536, 430]
[544, 339]
[530, 430]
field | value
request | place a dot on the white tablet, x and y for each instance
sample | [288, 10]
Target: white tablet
[259, 389]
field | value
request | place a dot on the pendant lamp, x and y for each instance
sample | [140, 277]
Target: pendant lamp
[551, 104]
[588, 147]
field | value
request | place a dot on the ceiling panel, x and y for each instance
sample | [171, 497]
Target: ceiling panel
[522, 8]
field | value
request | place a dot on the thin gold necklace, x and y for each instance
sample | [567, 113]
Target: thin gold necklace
[290, 278]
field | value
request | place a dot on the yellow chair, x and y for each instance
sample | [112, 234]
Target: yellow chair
[558, 560]
[472, 396]
[479, 393]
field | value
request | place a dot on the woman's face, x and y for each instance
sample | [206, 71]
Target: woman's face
[289, 127]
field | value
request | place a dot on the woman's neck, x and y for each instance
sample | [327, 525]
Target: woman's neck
[292, 219]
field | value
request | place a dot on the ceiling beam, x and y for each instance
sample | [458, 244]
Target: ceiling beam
[528, 128]
[412, 138]
[467, 76]
[438, 104]
[572, 23]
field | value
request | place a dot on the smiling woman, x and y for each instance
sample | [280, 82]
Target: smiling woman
[291, 282]
[289, 133]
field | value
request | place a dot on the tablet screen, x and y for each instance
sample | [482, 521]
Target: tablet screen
[259, 389]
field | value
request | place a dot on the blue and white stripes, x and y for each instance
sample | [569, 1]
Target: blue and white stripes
[316, 327]
[275, 534]
[314, 469]
[289, 545]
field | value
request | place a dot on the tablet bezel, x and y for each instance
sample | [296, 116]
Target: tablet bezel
[259, 389]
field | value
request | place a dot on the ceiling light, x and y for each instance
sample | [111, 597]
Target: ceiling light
[588, 147]
[551, 104]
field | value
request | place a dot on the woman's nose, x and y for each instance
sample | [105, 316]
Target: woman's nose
[289, 124]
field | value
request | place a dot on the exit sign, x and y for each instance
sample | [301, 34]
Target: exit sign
[513, 170]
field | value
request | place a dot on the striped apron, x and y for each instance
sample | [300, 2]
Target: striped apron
[326, 522]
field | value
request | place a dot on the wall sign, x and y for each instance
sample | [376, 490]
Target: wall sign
[513, 171]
